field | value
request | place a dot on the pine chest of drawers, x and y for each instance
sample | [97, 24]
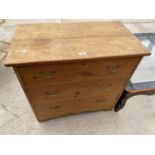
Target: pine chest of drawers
[68, 68]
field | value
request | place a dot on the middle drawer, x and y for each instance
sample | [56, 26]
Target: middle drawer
[107, 87]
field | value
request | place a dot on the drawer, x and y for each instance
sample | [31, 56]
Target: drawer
[49, 110]
[39, 75]
[54, 93]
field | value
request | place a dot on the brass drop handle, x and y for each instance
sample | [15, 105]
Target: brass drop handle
[51, 94]
[113, 68]
[48, 75]
[100, 100]
[55, 107]
[107, 86]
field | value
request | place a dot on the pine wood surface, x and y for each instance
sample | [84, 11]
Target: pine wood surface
[40, 43]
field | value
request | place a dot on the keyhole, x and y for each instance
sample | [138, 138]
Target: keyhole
[76, 94]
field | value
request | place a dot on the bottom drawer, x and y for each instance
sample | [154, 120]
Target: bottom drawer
[59, 109]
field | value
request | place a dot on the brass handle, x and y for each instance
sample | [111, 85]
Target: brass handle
[107, 86]
[113, 68]
[55, 107]
[51, 94]
[48, 75]
[100, 100]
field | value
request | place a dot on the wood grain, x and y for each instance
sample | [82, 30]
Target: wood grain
[41, 43]
[26, 92]
[76, 72]
[69, 30]
[76, 91]
[59, 109]
[73, 67]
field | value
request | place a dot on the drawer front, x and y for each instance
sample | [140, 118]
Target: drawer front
[52, 94]
[40, 75]
[49, 110]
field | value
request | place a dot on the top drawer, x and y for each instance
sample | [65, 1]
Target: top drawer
[59, 73]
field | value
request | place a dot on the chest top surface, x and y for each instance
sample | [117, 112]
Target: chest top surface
[33, 43]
